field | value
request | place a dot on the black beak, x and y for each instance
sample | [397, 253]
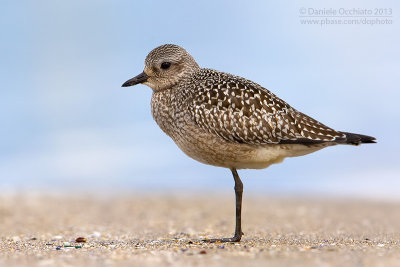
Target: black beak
[141, 78]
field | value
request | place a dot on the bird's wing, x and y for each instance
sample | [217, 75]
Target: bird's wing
[241, 111]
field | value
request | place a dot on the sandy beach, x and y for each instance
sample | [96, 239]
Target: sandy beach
[157, 230]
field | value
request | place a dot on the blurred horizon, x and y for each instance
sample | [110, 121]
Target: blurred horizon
[68, 125]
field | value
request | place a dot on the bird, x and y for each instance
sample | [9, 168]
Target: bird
[228, 121]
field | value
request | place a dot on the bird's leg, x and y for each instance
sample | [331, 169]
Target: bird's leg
[238, 227]
[238, 194]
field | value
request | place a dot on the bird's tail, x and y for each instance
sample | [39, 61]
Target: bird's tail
[357, 139]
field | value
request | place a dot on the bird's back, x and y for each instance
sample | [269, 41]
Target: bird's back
[241, 111]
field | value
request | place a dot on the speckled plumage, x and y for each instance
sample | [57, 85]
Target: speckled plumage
[228, 121]
[242, 111]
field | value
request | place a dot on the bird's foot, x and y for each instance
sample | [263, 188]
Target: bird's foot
[236, 238]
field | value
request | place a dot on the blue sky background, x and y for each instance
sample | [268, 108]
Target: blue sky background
[66, 123]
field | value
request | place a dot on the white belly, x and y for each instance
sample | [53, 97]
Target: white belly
[266, 155]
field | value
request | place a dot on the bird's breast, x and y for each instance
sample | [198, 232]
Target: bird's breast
[165, 111]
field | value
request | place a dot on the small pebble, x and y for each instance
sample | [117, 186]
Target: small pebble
[58, 248]
[16, 238]
[95, 234]
[67, 244]
[49, 244]
[203, 252]
[57, 237]
[80, 240]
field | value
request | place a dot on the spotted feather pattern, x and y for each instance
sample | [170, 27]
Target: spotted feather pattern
[242, 111]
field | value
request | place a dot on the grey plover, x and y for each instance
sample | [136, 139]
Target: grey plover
[228, 121]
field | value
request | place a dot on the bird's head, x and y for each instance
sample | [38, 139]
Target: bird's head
[164, 67]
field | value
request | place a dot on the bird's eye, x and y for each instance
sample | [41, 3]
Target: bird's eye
[165, 65]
